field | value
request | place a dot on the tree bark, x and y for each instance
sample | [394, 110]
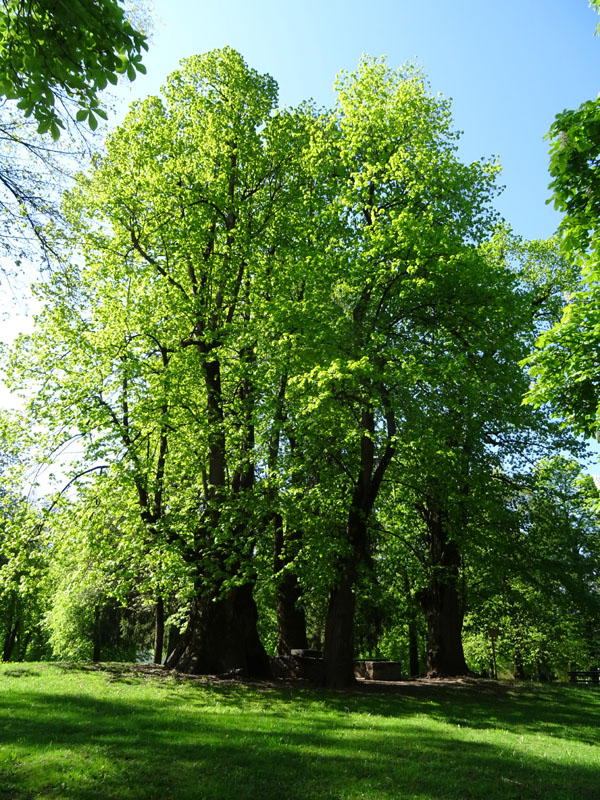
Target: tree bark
[413, 650]
[221, 637]
[159, 630]
[10, 639]
[291, 620]
[338, 654]
[442, 605]
[338, 651]
[96, 643]
[519, 670]
[214, 415]
[445, 656]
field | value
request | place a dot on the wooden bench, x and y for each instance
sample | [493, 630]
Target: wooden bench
[589, 677]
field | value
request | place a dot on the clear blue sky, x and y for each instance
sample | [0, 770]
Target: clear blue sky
[509, 66]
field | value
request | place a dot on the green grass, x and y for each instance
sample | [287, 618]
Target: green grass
[68, 732]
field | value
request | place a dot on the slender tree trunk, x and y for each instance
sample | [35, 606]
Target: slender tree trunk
[23, 645]
[519, 670]
[159, 630]
[291, 619]
[413, 649]
[413, 637]
[214, 413]
[10, 639]
[96, 635]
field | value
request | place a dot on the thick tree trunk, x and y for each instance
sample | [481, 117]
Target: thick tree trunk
[291, 620]
[442, 605]
[338, 650]
[222, 637]
[445, 656]
[173, 640]
[338, 655]
[159, 630]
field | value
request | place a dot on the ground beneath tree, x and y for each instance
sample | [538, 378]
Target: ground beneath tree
[120, 671]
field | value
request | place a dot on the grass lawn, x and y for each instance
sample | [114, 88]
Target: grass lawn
[115, 733]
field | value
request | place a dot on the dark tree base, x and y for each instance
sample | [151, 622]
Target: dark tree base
[338, 653]
[291, 621]
[221, 637]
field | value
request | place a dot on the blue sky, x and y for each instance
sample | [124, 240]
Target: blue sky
[509, 66]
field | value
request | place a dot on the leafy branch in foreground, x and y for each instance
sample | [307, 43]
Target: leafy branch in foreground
[55, 57]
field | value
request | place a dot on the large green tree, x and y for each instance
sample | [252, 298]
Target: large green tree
[565, 363]
[407, 302]
[178, 231]
[265, 318]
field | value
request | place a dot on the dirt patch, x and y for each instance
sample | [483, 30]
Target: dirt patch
[413, 686]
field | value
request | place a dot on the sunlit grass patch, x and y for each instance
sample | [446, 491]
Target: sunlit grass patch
[118, 733]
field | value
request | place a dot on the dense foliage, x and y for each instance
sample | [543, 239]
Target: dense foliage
[288, 345]
[565, 363]
[56, 57]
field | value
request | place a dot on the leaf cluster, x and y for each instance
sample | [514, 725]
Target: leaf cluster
[59, 55]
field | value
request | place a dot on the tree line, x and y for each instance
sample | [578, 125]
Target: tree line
[289, 345]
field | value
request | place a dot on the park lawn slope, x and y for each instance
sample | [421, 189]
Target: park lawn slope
[122, 733]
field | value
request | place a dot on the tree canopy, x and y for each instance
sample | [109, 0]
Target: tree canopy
[288, 343]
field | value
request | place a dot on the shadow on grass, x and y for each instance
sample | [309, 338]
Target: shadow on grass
[515, 706]
[556, 710]
[230, 741]
[21, 672]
